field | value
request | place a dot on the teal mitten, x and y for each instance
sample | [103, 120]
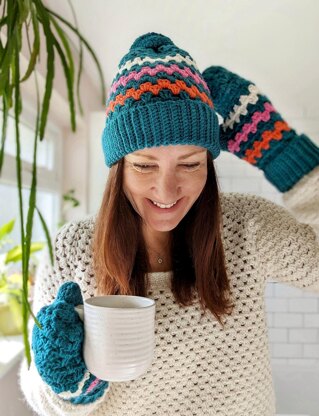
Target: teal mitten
[57, 349]
[254, 131]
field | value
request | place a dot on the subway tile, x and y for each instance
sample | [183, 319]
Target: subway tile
[311, 295]
[278, 335]
[303, 362]
[311, 350]
[277, 305]
[269, 290]
[311, 320]
[286, 350]
[303, 335]
[284, 290]
[303, 305]
[270, 319]
[278, 361]
[290, 320]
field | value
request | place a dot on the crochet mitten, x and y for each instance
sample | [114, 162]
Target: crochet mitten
[57, 349]
[254, 131]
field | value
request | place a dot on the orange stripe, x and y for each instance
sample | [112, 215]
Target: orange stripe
[267, 136]
[176, 88]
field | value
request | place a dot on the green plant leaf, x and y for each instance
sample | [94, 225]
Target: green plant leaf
[4, 130]
[6, 59]
[89, 48]
[69, 76]
[47, 235]
[45, 21]
[32, 199]
[66, 45]
[35, 48]
[80, 66]
[6, 229]
[17, 111]
[24, 10]
[15, 254]
[3, 21]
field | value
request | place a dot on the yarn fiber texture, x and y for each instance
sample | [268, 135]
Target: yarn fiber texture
[59, 343]
[254, 131]
[158, 98]
[57, 348]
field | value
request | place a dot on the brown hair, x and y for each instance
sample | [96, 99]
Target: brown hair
[120, 258]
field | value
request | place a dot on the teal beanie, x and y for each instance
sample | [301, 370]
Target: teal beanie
[158, 98]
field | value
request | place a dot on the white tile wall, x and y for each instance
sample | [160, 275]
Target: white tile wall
[292, 314]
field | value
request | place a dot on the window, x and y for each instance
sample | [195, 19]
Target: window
[48, 178]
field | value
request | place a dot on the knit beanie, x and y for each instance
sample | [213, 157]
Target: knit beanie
[158, 98]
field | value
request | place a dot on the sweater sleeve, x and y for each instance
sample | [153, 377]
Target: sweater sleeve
[39, 396]
[287, 238]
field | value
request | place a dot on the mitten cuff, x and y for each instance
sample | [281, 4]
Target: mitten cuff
[89, 390]
[299, 158]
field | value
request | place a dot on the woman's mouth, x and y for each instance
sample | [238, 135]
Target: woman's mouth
[164, 208]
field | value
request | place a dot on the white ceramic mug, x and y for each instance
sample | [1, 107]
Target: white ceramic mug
[119, 337]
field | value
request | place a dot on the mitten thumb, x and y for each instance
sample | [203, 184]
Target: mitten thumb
[70, 292]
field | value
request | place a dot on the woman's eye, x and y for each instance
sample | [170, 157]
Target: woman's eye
[191, 166]
[142, 167]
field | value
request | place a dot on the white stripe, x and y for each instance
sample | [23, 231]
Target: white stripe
[241, 109]
[220, 119]
[68, 395]
[141, 61]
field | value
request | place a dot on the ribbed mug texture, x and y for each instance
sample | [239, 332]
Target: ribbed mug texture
[119, 336]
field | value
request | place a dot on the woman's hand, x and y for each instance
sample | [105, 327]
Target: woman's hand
[254, 131]
[58, 345]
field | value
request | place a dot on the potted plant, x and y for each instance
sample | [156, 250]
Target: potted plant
[28, 22]
[69, 201]
[11, 295]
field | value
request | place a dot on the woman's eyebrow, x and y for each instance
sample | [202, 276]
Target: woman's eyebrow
[181, 157]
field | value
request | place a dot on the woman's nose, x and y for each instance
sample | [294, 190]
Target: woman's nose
[168, 187]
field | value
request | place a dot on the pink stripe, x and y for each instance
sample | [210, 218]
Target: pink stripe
[153, 71]
[92, 385]
[242, 136]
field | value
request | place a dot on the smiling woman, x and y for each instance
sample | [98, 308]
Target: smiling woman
[171, 186]
[164, 231]
[141, 228]
[163, 192]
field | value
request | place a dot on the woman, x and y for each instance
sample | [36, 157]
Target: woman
[165, 232]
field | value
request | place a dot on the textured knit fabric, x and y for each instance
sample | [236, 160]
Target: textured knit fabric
[254, 131]
[199, 368]
[57, 348]
[158, 97]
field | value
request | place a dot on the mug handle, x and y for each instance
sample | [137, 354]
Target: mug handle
[80, 310]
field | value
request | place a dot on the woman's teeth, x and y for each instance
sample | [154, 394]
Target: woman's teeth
[163, 205]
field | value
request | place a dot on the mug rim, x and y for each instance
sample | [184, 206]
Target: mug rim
[87, 302]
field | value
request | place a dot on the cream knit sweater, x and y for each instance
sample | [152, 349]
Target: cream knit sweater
[198, 368]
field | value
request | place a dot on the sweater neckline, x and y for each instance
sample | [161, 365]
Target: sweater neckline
[160, 280]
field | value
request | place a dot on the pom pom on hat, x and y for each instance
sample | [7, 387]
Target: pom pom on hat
[151, 40]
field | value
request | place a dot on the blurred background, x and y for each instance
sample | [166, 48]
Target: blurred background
[274, 44]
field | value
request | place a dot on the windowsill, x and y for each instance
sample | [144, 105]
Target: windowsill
[11, 350]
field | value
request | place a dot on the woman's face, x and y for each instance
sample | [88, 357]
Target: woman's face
[165, 175]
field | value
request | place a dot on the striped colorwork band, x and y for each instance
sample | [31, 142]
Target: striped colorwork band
[161, 84]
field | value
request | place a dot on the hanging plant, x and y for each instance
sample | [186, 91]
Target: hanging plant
[27, 20]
